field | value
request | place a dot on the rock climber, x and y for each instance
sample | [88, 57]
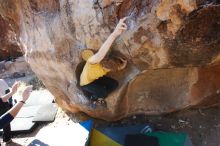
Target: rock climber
[93, 79]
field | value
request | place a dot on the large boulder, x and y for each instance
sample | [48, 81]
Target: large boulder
[172, 48]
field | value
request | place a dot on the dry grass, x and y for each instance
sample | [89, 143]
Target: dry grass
[36, 83]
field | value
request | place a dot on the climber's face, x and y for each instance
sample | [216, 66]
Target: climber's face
[86, 54]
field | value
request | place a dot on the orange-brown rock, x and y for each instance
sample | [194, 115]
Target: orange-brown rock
[8, 45]
[172, 48]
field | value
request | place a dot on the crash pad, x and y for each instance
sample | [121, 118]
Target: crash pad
[38, 97]
[141, 140]
[172, 138]
[72, 134]
[22, 125]
[27, 112]
[46, 113]
[115, 136]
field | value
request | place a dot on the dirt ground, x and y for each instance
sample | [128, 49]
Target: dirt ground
[203, 126]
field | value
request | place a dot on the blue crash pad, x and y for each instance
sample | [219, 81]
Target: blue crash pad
[115, 136]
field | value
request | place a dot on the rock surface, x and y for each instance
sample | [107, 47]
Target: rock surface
[172, 48]
[9, 45]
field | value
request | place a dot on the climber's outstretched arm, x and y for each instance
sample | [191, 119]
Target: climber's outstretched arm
[121, 27]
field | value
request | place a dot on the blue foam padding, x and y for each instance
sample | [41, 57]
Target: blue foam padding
[118, 133]
[87, 125]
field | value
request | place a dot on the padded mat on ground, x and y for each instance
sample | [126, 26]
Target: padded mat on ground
[73, 134]
[115, 136]
[172, 138]
[22, 125]
[37, 98]
[141, 140]
[46, 113]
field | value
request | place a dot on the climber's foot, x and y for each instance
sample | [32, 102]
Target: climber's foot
[101, 102]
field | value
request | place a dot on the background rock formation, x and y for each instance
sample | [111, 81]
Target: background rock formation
[16, 68]
[173, 49]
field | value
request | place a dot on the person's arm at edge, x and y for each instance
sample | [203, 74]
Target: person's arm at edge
[6, 96]
[107, 44]
[9, 116]
[18, 106]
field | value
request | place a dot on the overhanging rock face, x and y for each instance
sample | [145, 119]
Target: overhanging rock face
[172, 48]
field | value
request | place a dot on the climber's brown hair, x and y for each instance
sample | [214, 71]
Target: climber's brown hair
[114, 62]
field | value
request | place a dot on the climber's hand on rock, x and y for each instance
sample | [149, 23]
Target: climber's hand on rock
[121, 27]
